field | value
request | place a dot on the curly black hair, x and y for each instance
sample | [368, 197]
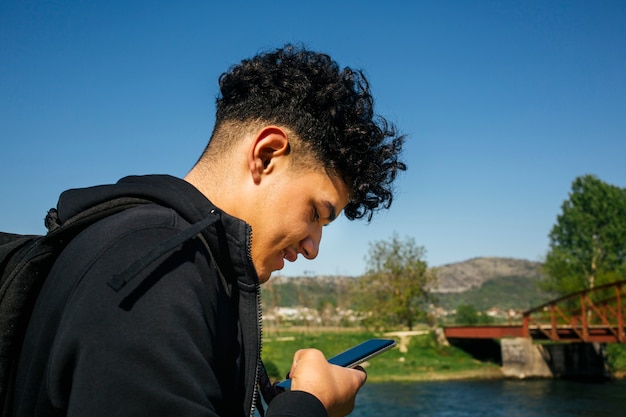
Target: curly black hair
[329, 108]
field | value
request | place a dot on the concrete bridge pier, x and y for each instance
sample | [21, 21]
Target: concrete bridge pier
[523, 359]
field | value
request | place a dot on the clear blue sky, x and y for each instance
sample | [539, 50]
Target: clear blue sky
[505, 103]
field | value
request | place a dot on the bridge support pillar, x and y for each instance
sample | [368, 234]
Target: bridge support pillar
[521, 359]
[578, 360]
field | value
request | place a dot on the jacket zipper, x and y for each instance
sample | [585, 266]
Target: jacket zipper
[259, 331]
[255, 393]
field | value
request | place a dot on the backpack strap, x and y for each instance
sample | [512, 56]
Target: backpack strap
[120, 280]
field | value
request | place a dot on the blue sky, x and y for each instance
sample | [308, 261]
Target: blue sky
[505, 103]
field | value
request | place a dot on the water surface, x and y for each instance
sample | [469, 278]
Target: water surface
[493, 398]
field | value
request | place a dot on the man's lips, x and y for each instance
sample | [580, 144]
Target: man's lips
[289, 254]
[286, 254]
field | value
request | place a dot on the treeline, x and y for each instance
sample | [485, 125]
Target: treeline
[517, 293]
[337, 301]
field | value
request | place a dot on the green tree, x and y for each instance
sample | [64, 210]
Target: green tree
[588, 242]
[466, 314]
[394, 290]
[327, 310]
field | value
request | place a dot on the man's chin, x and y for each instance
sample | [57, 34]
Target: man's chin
[264, 276]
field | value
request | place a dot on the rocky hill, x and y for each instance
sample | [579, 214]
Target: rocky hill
[473, 273]
[484, 283]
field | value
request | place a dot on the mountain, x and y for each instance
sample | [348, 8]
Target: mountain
[473, 273]
[484, 283]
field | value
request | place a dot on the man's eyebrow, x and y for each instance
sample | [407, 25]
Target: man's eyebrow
[332, 211]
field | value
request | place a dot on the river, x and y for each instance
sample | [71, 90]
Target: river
[493, 398]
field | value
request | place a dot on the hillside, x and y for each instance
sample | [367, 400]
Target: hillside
[473, 273]
[504, 283]
[484, 283]
[505, 293]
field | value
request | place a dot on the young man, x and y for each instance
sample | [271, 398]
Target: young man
[295, 143]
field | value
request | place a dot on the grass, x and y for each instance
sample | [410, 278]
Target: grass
[424, 359]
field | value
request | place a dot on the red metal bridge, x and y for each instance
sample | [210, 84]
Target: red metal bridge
[593, 315]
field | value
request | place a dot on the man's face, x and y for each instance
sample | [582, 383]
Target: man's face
[289, 214]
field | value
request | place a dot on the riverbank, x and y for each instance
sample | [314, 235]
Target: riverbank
[465, 375]
[418, 357]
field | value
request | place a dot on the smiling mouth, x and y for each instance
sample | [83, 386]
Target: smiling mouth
[289, 255]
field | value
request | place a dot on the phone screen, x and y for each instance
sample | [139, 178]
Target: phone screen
[362, 352]
[354, 356]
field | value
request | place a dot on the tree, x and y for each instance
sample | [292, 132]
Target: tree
[327, 311]
[466, 314]
[394, 290]
[588, 242]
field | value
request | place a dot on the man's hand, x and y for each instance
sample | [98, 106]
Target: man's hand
[336, 387]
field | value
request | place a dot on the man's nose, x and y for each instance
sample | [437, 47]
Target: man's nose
[310, 245]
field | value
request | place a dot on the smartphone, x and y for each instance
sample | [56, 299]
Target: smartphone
[355, 355]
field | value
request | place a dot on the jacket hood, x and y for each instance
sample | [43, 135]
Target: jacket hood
[164, 190]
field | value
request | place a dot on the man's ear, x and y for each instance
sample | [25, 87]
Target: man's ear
[269, 143]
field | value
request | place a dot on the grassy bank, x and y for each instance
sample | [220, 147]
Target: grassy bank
[424, 358]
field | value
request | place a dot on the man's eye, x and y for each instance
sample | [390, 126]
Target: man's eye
[316, 215]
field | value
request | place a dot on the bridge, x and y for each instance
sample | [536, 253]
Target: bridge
[588, 316]
[563, 337]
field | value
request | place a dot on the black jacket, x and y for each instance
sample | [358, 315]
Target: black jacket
[181, 338]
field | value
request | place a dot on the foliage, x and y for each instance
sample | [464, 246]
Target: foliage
[335, 297]
[616, 357]
[466, 314]
[312, 292]
[394, 289]
[588, 242]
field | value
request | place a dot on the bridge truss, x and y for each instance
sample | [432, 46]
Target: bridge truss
[592, 315]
